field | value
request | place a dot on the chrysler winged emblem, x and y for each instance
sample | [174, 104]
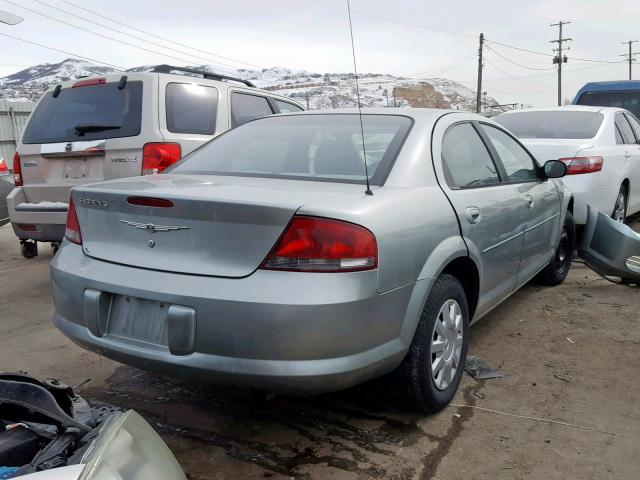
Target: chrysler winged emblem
[68, 147]
[150, 227]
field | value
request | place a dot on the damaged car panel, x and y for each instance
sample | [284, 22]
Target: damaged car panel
[47, 431]
[611, 248]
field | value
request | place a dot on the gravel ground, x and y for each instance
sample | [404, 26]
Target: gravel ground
[569, 353]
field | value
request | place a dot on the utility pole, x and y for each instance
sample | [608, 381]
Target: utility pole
[560, 59]
[479, 91]
[631, 56]
[307, 97]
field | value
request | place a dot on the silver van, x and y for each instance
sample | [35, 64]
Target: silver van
[119, 125]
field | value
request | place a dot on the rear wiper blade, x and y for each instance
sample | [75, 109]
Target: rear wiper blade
[83, 128]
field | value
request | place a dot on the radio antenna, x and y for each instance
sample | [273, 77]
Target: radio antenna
[355, 70]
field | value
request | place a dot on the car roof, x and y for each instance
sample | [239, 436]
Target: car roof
[611, 85]
[422, 114]
[133, 76]
[568, 108]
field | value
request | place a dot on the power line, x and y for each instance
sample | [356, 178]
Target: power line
[519, 48]
[399, 22]
[448, 67]
[130, 35]
[93, 12]
[99, 34]
[518, 64]
[509, 75]
[63, 51]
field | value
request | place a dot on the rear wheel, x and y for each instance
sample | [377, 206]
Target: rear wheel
[29, 249]
[620, 208]
[558, 268]
[430, 373]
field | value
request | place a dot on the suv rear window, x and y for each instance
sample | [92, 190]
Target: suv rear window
[323, 147]
[627, 100]
[100, 112]
[552, 124]
[191, 108]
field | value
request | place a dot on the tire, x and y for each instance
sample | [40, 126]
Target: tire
[560, 264]
[415, 385]
[29, 249]
[619, 213]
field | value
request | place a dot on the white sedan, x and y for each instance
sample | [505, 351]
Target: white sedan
[600, 146]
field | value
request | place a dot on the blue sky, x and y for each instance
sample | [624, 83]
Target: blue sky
[401, 37]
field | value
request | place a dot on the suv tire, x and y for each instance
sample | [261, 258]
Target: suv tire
[437, 343]
[558, 268]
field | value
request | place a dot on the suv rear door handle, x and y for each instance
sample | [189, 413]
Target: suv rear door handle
[529, 200]
[473, 215]
[627, 155]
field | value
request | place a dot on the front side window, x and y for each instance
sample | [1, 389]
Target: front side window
[465, 158]
[322, 147]
[625, 129]
[517, 162]
[191, 108]
[245, 108]
[286, 107]
[90, 112]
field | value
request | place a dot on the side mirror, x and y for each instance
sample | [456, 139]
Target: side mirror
[555, 169]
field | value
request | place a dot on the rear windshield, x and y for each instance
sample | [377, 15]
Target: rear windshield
[324, 147]
[558, 124]
[91, 112]
[627, 100]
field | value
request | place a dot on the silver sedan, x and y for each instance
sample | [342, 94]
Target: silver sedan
[263, 259]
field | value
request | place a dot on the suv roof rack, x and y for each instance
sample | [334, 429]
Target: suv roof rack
[164, 68]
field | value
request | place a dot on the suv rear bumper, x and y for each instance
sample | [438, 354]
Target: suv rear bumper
[44, 222]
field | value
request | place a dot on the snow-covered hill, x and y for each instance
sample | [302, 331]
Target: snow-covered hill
[328, 90]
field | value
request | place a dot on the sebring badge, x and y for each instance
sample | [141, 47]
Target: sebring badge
[92, 201]
[150, 227]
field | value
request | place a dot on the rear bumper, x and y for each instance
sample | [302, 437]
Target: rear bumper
[277, 331]
[44, 223]
[587, 190]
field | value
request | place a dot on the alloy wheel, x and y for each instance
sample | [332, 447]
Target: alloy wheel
[620, 208]
[446, 344]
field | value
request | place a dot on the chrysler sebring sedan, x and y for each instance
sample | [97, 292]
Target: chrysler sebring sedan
[263, 259]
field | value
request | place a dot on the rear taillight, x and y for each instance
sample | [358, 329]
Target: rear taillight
[312, 244]
[579, 165]
[17, 171]
[90, 81]
[150, 202]
[158, 156]
[4, 168]
[72, 233]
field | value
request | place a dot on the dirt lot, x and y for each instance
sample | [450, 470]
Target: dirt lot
[569, 353]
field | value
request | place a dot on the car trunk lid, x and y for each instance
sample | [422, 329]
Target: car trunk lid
[554, 149]
[219, 226]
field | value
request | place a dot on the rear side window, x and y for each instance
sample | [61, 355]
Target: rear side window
[191, 108]
[245, 108]
[627, 100]
[635, 124]
[91, 112]
[516, 161]
[625, 129]
[465, 158]
[286, 107]
[552, 124]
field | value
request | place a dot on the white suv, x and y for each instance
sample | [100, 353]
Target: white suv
[119, 125]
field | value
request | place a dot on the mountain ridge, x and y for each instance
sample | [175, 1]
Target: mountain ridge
[317, 90]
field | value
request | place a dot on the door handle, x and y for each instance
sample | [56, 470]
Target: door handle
[473, 215]
[530, 201]
[627, 155]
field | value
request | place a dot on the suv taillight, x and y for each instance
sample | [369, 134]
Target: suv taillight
[579, 165]
[72, 232]
[17, 171]
[158, 156]
[313, 244]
